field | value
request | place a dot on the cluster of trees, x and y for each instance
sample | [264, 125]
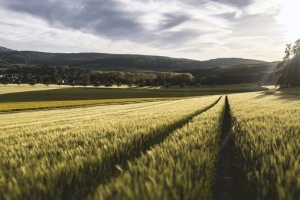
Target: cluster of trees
[248, 73]
[288, 70]
[80, 76]
[265, 77]
[43, 74]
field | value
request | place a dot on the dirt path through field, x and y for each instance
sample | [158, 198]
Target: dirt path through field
[225, 180]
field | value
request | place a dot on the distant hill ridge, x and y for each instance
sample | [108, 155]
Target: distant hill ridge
[4, 49]
[104, 61]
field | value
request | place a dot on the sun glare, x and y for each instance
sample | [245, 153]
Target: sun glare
[288, 16]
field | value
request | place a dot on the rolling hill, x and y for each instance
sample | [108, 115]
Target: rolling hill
[125, 62]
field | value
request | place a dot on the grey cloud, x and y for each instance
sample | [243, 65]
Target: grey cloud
[172, 39]
[227, 16]
[238, 3]
[173, 20]
[99, 17]
[106, 18]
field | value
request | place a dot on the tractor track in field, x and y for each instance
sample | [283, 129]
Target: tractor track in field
[121, 159]
[225, 182]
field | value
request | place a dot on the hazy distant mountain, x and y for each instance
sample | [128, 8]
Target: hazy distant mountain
[103, 61]
[4, 49]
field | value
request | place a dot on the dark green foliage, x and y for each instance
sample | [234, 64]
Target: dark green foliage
[259, 83]
[182, 85]
[4, 82]
[108, 84]
[116, 61]
[85, 81]
[288, 70]
[248, 73]
[33, 82]
[97, 83]
[4, 49]
[129, 85]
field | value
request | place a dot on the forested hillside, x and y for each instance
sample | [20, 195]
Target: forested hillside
[141, 69]
[4, 49]
[126, 62]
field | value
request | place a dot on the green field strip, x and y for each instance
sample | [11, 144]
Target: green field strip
[180, 167]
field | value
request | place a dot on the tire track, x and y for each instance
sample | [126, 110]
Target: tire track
[79, 190]
[225, 186]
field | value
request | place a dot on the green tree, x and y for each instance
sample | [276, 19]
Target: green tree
[39, 79]
[85, 82]
[33, 82]
[129, 85]
[4, 82]
[198, 85]
[259, 83]
[59, 83]
[182, 85]
[288, 70]
[108, 84]
[46, 81]
[19, 82]
[97, 83]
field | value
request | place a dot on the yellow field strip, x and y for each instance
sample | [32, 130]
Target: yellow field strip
[17, 106]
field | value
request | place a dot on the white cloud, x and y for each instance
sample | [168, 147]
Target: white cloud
[169, 28]
[262, 7]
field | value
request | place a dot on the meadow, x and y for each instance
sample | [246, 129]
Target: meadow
[148, 143]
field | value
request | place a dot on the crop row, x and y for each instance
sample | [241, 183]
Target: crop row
[66, 153]
[181, 167]
[266, 133]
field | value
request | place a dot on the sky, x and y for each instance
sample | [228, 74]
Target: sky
[193, 29]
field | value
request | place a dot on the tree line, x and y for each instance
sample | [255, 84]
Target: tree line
[42, 74]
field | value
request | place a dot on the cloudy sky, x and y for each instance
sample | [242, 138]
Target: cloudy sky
[195, 29]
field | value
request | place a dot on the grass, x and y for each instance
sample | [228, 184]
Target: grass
[43, 97]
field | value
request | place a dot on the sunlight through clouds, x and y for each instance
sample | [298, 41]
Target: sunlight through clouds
[289, 16]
